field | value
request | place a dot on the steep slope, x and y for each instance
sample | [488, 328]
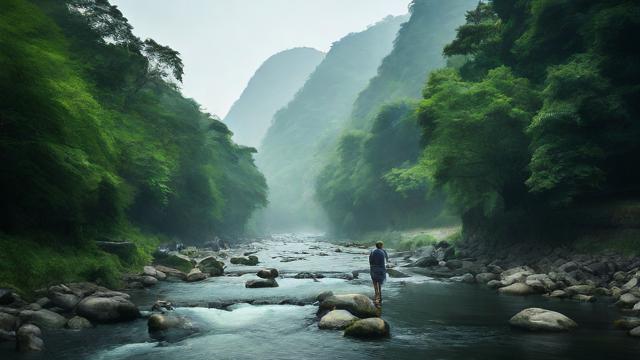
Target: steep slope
[272, 86]
[97, 143]
[311, 121]
[361, 187]
[416, 52]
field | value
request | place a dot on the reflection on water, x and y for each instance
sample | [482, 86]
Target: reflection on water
[429, 320]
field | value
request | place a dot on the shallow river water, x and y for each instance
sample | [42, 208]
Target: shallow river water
[429, 319]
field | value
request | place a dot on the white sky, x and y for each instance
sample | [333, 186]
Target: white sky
[223, 42]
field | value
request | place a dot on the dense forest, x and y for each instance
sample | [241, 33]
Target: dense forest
[533, 121]
[297, 141]
[271, 88]
[97, 143]
[360, 187]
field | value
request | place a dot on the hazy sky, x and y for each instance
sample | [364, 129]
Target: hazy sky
[222, 42]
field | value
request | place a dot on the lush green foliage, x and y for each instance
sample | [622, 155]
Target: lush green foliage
[543, 116]
[297, 143]
[372, 181]
[360, 188]
[272, 86]
[97, 140]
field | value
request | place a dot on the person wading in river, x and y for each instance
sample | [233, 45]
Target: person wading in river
[377, 261]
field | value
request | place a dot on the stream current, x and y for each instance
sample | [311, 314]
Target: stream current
[429, 318]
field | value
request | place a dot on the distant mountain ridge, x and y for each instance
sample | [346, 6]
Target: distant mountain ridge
[271, 87]
[295, 145]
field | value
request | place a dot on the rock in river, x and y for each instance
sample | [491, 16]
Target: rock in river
[337, 319]
[171, 272]
[357, 304]
[252, 260]
[517, 289]
[424, 262]
[43, 318]
[8, 322]
[107, 309]
[635, 332]
[63, 300]
[78, 323]
[261, 283]
[371, 328]
[169, 327]
[485, 277]
[627, 300]
[196, 275]
[536, 319]
[28, 338]
[270, 273]
[210, 265]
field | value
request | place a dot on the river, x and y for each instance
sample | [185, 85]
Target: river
[429, 318]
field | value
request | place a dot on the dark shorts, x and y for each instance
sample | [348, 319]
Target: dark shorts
[378, 274]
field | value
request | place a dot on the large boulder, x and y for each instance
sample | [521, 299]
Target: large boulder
[515, 275]
[171, 273]
[251, 260]
[196, 275]
[337, 319]
[78, 323]
[43, 318]
[268, 273]
[580, 290]
[425, 261]
[517, 289]
[540, 282]
[28, 338]
[147, 280]
[173, 260]
[627, 300]
[149, 271]
[64, 301]
[107, 309]
[630, 284]
[371, 328]
[536, 319]
[169, 327]
[211, 266]
[635, 332]
[261, 283]
[357, 304]
[484, 278]
[8, 322]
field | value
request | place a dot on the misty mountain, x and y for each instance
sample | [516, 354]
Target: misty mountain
[416, 52]
[272, 86]
[359, 187]
[297, 140]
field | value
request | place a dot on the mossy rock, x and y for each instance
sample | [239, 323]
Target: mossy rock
[210, 265]
[251, 260]
[175, 261]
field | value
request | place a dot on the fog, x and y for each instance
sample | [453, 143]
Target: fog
[223, 42]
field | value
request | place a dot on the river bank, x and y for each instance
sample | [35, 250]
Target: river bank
[427, 316]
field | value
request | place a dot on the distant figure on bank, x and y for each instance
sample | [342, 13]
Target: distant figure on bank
[378, 259]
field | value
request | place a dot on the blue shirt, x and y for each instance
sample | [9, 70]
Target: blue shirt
[378, 257]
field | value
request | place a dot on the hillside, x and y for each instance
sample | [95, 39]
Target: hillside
[272, 86]
[98, 143]
[294, 145]
[358, 187]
